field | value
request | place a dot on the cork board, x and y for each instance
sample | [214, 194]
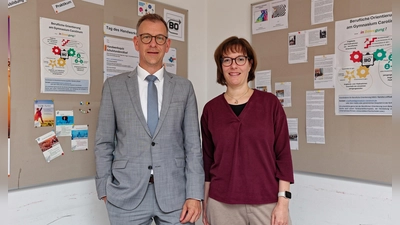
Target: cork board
[27, 165]
[356, 147]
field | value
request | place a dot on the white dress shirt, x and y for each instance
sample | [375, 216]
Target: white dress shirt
[143, 84]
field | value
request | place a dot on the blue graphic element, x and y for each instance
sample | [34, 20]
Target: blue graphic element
[64, 120]
[79, 134]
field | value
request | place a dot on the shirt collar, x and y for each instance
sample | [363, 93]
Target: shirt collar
[142, 73]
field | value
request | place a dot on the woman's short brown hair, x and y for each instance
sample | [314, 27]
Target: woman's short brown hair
[234, 45]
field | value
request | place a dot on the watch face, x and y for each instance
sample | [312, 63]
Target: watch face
[288, 194]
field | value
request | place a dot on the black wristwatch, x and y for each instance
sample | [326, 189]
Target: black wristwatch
[285, 194]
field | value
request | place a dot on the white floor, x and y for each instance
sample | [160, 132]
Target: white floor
[317, 200]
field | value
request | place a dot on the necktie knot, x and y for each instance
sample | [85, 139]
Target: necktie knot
[151, 78]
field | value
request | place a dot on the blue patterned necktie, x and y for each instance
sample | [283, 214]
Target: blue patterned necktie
[152, 104]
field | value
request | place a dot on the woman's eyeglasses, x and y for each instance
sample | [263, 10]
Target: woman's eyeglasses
[240, 60]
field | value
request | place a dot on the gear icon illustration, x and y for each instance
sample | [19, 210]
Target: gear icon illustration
[52, 63]
[56, 50]
[71, 52]
[61, 62]
[362, 71]
[349, 75]
[379, 54]
[356, 56]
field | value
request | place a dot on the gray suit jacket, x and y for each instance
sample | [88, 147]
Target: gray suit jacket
[126, 152]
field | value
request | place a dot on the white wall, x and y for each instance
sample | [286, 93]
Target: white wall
[317, 200]
[197, 42]
[224, 19]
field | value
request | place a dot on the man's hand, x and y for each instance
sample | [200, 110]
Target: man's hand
[191, 211]
[104, 199]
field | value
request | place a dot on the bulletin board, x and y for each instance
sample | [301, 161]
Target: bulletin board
[356, 147]
[28, 166]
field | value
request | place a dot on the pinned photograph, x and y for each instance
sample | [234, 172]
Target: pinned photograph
[322, 33]
[262, 88]
[318, 72]
[280, 93]
[292, 40]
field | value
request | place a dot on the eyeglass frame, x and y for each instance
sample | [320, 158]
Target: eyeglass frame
[234, 59]
[155, 38]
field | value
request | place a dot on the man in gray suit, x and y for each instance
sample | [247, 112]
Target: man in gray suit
[145, 174]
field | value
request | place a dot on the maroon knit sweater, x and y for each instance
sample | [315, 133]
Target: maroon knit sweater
[246, 156]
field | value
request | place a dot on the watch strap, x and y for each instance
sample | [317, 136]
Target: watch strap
[285, 194]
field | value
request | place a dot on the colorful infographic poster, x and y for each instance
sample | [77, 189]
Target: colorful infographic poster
[64, 57]
[364, 65]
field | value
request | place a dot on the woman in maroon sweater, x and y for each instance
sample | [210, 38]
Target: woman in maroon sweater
[247, 158]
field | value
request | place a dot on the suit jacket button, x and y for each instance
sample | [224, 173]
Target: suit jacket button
[150, 167]
[152, 143]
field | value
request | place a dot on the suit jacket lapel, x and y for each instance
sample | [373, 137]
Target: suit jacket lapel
[133, 90]
[169, 85]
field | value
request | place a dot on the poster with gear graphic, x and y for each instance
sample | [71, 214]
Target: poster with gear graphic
[64, 57]
[363, 51]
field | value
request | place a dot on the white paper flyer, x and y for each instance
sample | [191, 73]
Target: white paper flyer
[50, 146]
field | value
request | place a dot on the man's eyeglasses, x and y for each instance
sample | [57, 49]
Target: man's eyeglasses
[146, 38]
[240, 60]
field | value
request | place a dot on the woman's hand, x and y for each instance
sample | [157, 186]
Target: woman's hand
[280, 214]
